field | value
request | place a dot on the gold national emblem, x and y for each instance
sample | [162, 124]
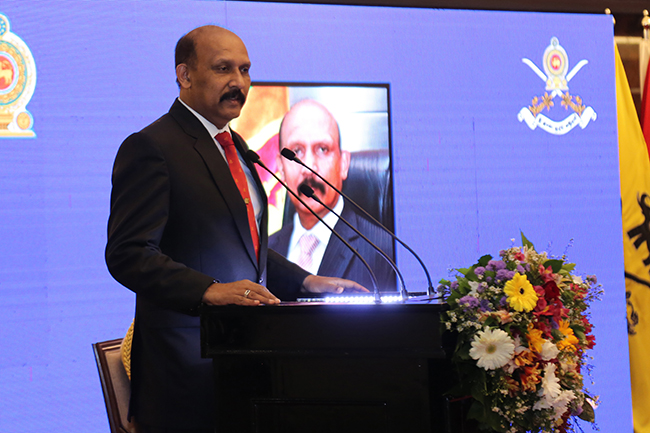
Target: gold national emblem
[17, 84]
[556, 75]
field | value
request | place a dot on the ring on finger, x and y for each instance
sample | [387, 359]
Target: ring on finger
[247, 292]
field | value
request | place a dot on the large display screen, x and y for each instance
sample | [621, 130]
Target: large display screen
[499, 122]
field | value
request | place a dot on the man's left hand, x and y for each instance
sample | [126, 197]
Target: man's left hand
[317, 284]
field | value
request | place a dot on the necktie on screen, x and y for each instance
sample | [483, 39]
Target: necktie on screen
[225, 140]
[308, 244]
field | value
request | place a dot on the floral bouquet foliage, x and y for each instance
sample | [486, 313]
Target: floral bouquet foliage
[523, 328]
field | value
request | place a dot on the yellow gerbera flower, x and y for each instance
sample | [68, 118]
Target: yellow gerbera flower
[521, 295]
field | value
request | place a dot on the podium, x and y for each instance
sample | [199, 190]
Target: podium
[317, 367]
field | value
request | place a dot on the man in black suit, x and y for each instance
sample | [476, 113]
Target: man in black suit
[181, 233]
[311, 131]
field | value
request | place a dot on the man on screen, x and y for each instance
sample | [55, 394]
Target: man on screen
[311, 131]
[188, 226]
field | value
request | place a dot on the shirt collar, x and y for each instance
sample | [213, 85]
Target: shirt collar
[211, 128]
[319, 230]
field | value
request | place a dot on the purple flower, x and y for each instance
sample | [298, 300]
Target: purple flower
[504, 275]
[495, 265]
[504, 301]
[468, 302]
[481, 287]
[480, 270]
[555, 325]
[577, 411]
[484, 305]
[453, 285]
[521, 269]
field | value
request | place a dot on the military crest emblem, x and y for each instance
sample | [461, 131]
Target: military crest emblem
[556, 76]
[17, 84]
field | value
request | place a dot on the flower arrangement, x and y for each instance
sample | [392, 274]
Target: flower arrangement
[522, 328]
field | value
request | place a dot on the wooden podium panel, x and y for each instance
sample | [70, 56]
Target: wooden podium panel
[327, 368]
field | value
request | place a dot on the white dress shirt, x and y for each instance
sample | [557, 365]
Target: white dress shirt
[252, 188]
[320, 231]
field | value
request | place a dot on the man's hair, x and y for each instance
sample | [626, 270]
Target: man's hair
[185, 52]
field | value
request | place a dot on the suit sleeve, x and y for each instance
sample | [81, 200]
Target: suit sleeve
[139, 213]
[284, 277]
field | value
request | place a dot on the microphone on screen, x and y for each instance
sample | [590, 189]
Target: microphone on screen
[291, 156]
[254, 157]
[307, 191]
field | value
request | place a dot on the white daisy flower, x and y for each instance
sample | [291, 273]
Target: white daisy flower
[492, 348]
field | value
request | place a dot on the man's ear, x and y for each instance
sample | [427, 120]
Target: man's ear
[183, 75]
[345, 164]
[280, 164]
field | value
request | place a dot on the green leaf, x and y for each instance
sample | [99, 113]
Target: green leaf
[556, 265]
[569, 267]
[588, 413]
[462, 351]
[483, 261]
[476, 411]
[525, 241]
[491, 321]
[470, 275]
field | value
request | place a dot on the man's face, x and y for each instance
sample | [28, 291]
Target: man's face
[312, 133]
[217, 85]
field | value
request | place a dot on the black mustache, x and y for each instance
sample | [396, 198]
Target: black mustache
[313, 184]
[234, 94]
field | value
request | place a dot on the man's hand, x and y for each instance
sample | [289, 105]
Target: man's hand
[242, 292]
[316, 284]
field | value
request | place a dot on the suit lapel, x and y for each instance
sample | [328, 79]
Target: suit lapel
[242, 147]
[218, 168]
[337, 256]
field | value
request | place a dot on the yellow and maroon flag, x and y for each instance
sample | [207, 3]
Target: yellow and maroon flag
[635, 202]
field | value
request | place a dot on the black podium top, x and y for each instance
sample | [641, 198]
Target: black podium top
[410, 329]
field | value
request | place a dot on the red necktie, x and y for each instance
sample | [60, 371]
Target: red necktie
[225, 140]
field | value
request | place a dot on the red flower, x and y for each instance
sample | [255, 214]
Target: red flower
[551, 290]
[541, 306]
[546, 273]
[579, 292]
[545, 327]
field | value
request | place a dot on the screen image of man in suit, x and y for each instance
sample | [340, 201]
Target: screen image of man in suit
[188, 226]
[311, 131]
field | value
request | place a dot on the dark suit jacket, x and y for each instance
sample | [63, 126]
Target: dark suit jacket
[339, 261]
[177, 224]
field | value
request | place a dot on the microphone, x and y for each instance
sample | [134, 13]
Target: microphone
[253, 156]
[291, 156]
[309, 192]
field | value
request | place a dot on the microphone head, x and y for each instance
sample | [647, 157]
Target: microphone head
[288, 153]
[253, 156]
[306, 190]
